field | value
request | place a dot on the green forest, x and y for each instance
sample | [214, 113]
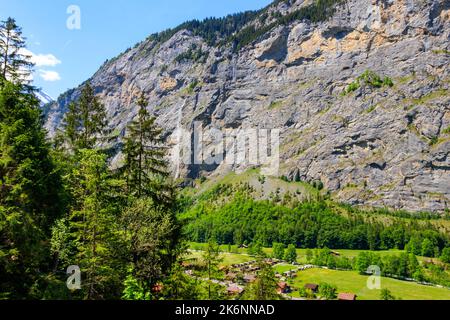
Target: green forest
[312, 224]
[239, 30]
[128, 228]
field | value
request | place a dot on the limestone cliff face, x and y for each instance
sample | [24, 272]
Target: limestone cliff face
[385, 146]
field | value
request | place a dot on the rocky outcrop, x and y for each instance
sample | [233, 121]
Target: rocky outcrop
[385, 146]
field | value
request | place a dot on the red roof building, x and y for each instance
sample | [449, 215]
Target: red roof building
[283, 287]
[347, 297]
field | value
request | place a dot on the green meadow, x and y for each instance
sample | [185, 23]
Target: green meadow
[352, 282]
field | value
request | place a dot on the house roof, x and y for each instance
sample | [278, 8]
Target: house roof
[311, 286]
[234, 289]
[347, 296]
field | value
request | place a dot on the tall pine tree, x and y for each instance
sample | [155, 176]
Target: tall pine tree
[93, 226]
[15, 66]
[211, 258]
[85, 121]
[152, 230]
[145, 167]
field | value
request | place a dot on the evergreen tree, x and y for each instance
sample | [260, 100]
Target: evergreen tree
[180, 286]
[14, 65]
[211, 258]
[152, 238]
[265, 286]
[94, 228]
[30, 188]
[152, 230]
[85, 121]
[145, 167]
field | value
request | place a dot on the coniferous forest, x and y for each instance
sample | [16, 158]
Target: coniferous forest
[60, 202]
[137, 234]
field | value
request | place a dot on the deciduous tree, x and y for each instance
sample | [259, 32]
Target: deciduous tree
[291, 254]
[278, 251]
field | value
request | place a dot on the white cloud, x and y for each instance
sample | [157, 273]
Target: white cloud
[41, 60]
[50, 76]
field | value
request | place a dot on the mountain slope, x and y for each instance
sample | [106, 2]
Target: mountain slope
[301, 66]
[44, 98]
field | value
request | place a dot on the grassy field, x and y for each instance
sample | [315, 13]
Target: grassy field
[227, 258]
[301, 253]
[352, 282]
[252, 177]
[281, 268]
[345, 281]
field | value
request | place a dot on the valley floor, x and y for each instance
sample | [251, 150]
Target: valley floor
[352, 282]
[345, 281]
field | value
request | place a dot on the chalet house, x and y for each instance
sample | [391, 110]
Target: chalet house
[283, 287]
[312, 286]
[347, 297]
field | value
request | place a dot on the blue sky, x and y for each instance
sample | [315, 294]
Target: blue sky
[64, 58]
